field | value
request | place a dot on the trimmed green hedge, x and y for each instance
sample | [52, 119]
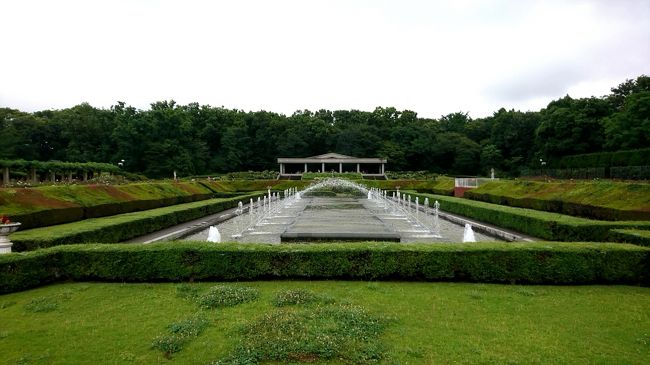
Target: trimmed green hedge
[549, 226]
[120, 227]
[640, 157]
[440, 186]
[636, 236]
[325, 175]
[539, 263]
[61, 166]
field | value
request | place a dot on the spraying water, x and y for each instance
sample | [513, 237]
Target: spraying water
[214, 235]
[468, 234]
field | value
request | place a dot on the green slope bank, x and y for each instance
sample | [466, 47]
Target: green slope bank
[600, 200]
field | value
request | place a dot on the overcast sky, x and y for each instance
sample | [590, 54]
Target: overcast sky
[432, 57]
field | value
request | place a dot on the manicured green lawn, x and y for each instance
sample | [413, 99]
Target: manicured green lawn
[425, 323]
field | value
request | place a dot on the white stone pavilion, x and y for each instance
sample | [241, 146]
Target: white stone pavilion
[332, 162]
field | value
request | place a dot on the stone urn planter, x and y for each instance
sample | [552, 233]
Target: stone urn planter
[5, 231]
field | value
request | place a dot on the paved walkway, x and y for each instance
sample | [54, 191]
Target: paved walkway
[187, 228]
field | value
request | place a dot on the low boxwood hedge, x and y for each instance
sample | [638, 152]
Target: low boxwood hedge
[545, 225]
[636, 236]
[122, 226]
[539, 263]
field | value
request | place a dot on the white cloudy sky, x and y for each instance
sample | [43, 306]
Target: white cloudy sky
[433, 57]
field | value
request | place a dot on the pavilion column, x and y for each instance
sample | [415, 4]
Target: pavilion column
[382, 169]
[32, 173]
[305, 170]
[5, 176]
[322, 169]
[340, 167]
[358, 168]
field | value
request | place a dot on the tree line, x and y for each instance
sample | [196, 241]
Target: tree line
[198, 139]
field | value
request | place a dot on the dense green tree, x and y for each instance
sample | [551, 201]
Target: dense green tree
[200, 139]
[572, 126]
[630, 128]
[20, 135]
[491, 158]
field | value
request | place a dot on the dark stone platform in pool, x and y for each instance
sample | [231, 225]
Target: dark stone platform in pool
[338, 220]
[338, 237]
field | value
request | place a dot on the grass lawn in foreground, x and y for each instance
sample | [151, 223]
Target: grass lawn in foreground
[424, 323]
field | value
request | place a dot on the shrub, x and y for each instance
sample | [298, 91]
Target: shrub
[227, 296]
[325, 175]
[542, 263]
[411, 175]
[250, 175]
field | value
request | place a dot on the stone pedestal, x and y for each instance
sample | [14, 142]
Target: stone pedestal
[5, 231]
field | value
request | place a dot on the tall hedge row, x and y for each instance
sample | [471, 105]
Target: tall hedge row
[639, 157]
[60, 166]
[548, 226]
[635, 236]
[539, 263]
[120, 227]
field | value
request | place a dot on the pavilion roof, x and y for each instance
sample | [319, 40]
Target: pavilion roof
[331, 158]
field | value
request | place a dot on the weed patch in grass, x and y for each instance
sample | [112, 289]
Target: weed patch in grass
[41, 305]
[297, 297]
[187, 291]
[179, 334]
[343, 332]
[7, 304]
[227, 296]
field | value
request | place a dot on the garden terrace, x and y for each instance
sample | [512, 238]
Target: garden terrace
[606, 200]
[50, 205]
[122, 227]
[544, 225]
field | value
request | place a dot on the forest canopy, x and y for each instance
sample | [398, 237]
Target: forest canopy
[198, 139]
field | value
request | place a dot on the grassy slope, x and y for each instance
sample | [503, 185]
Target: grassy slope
[616, 195]
[98, 225]
[26, 200]
[535, 223]
[432, 322]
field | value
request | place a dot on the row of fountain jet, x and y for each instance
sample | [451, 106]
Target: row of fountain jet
[266, 206]
[424, 219]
